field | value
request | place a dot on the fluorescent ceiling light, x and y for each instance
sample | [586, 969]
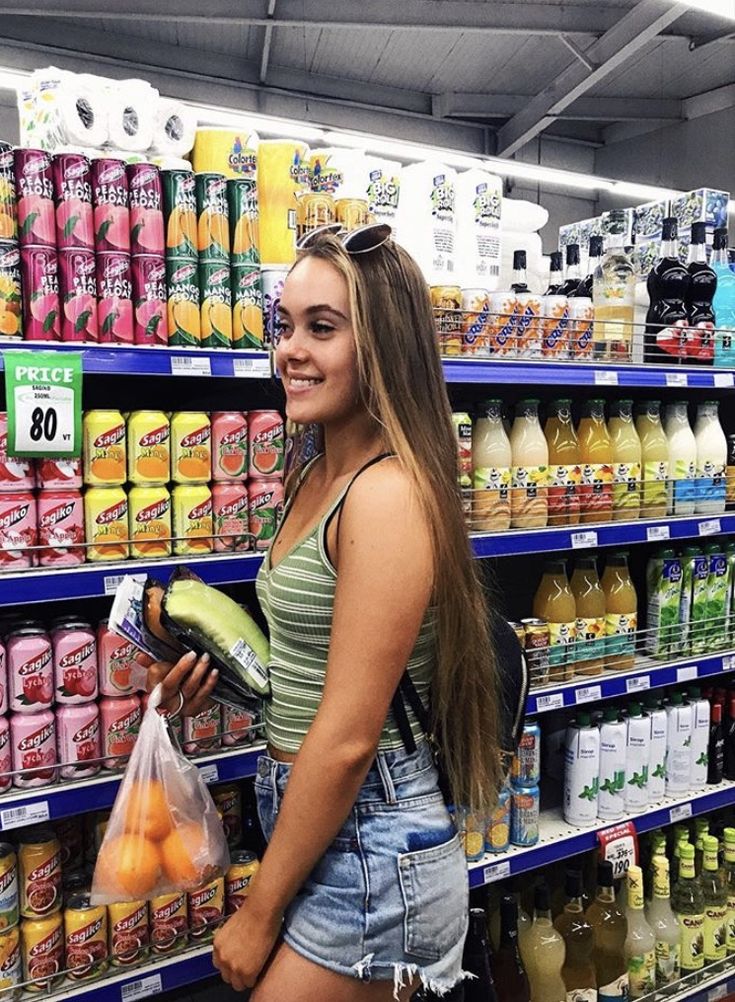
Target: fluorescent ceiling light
[722, 8]
[211, 115]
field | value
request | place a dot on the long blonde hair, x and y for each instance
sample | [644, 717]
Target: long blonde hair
[403, 388]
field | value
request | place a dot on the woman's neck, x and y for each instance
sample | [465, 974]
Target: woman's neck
[348, 444]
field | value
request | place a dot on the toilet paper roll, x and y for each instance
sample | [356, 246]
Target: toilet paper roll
[174, 128]
[66, 111]
[171, 163]
[131, 114]
[479, 202]
[427, 221]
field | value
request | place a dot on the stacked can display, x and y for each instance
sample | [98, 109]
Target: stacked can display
[39, 263]
[75, 239]
[182, 257]
[148, 264]
[10, 284]
[213, 239]
[247, 292]
[112, 244]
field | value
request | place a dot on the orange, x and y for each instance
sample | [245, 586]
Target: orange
[182, 221]
[9, 323]
[186, 317]
[182, 853]
[152, 467]
[193, 468]
[147, 811]
[129, 865]
[7, 226]
[107, 468]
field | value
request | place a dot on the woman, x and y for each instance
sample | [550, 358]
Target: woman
[362, 893]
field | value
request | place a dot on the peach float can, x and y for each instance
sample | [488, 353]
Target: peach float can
[149, 451]
[30, 670]
[33, 741]
[103, 434]
[39, 271]
[145, 199]
[150, 299]
[6, 762]
[110, 196]
[229, 445]
[106, 523]
[60, 527]
[78, 295]
[115, 660]
[34, 189]
[114, 297]
[191, 447]
[75, 662]
[72, 181]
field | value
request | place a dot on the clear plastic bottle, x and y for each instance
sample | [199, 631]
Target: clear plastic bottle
[621, 613]
[611, 929]
[724, 301]
[543, 952]
[578, 971]
[665, 925]
[596, 455]
[640, 943]
[530, 469]
[589, 600]
[711, 459]
[613, 294]
[564, 464]
[682, 459]
[492, 461]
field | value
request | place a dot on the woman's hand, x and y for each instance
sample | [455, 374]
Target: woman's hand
[188, 676]
[243, 945]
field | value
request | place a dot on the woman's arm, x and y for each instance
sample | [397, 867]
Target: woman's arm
[383, 590]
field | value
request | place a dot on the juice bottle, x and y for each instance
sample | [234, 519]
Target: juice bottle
[530, 465]
[564, 464]
[596, 454]
[682, 492]
[555, 603]
[149, 459]
[191, 451]
[491, 459]
[542, 951]
[621, 613]
[610, 928]
[664, 584]
[627, 459]
[711, 459]
[589, 600]
[655, 452]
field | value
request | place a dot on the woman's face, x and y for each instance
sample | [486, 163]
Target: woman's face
[316, 352]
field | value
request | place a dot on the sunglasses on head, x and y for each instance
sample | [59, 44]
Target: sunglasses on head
[359, 241]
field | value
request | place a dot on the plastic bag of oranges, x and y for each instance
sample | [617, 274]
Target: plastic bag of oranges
[164, 832]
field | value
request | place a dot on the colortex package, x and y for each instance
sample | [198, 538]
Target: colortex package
[164, 833]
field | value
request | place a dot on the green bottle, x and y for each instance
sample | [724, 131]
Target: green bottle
[687, 900]
[729, 836]
[701, 829]
[714, 888]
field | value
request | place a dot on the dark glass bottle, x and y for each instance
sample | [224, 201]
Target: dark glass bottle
[574, 276]
[509, 974]
[519, 283]
[556, 274]
[585, 286]
[716, 747]
[668, 285]
[477, 960]
[701, 292]
[729, 769]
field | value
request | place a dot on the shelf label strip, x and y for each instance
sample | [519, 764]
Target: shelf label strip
[688, 672]
[142, 988]
[709, 528]
[655, 533]
[680, 813]
[209, 772]
[251, 368]
[190, 365]
[581, 540]
[25, 814]
[638, 683]
[496, 871]
[552, 701]
[588, 694]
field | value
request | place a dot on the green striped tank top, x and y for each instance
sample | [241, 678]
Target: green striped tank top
[297, 599]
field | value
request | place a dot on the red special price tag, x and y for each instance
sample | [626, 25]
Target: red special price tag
[619, 846]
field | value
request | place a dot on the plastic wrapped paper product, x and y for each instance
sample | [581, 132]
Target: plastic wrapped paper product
[427, 219]
[283, 174]
[174, 128]
[518, 214]
[479, 201]
[62, 109]
[382, 188]
[132, 108]
[232, 152]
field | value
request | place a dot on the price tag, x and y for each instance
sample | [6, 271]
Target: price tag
[638, 683]
[619, 846]
[605, 378]
[190, 365]
[43, 398]
[24, 814]
[554, 701]
[113, 581]
[142, 988]
[728, 662]
[588, 694]
[709, 528]
[723, 379]
[717, 993]
[209, 772]
[680, 812]
[688, 672]
[581, 540]
[252, 368]
[496, 871]
[655, 533]
[676, 379]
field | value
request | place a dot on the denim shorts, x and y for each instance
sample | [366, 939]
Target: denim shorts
[389, 898]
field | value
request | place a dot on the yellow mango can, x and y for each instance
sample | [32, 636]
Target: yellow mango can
[106, 523]
[103, 434]
[191, 448]
[193, 527]
[149, 452]
[149, 514]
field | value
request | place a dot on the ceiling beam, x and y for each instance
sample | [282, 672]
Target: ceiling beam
[709, 102]
[455, 104]
[267, 41]
[633, 31]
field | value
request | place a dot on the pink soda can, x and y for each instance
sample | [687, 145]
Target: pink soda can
[33, 749]
[39, 269]
[203, 732]
[229, 445]
[78, 295]
[18, 530]
[15, 474]
[30, 670]
[75, 663]
[265, 445]
[110, 199]
[34, 188]
[115, 662]
[3, 681]
[78, 740]
[236, 726]
[120, 718]
[60, 528]
[72, 174]
[150, 298]
[146, 210]
[114, 298]
[58, 474]
[231, 517]
[6, 762]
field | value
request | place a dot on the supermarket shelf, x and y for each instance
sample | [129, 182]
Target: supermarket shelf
[647, 674]
[560, 840]
[20, 807]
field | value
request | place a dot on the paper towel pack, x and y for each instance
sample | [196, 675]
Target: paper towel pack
[479, 201]
[427, 219]
[382, 188]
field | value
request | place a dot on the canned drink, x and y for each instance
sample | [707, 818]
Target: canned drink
[120, 720]
[230, 517]
[168, 921]
[6, 762]
[42, 948]
[3, 685]
[463, 432]
[237, 724]
[191, 447]
[39, 272]
[114, 297]
[39, 873]
[72, 176]
[524, 816]
[519, 631]
[11, 967]
[213, 222]
[184, 319]
[149, 513]
[129, 932]
[150, 299]
[242, 204]
[18, 530]
[206, 910]
[145, 197]
[11, 296]
[54, 474]
[352, 212]
[192, 519]
[247, 307]
[313, 210]
[497, 832]
[106, 523]
[60, 527]
[215, 296]
[266, 450]
[203, 732]
[581, 317]
[229, 445]
[148, 448]
[85, 938]
[527, 329]
[30, 670]
[265, 508]
[34, 188]
[243, 867]
[33, 746]
[103, 435]
[8, 199]
[272, 279]
[9, 894]
[75, 663]
[555, 324]
[15, 474]
[115, 662]
[501, 339]
[78, 740]
[78, 295]
[471, 833]
[70, 833]
[526, 767]
[446, 301]
[228, 801]
[180, 214]
[536, 647]
[110, 195]
[475, 322]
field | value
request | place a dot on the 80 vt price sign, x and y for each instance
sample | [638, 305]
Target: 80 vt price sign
[43, 398]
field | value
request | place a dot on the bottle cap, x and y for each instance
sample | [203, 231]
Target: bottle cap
[699, 233]
[616, 221]
[573, 885]
[729, 836]
[670, 229]
[676, 699]
[634, 710]
[572, 254]
[595, 246]
[556, 260]
[519, 260]
[686, 852]
[605, 873]
[583, 719]
[610, 715]
[509, 910]
[541, 898]
[720, 238]
[586, 563]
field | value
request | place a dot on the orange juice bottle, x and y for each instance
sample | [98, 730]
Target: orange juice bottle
[149, 455]
[554, 602]
[106, 523]
[596, 452]
[103, 439]
[149, 514]
[191, 447]
[192, 510]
